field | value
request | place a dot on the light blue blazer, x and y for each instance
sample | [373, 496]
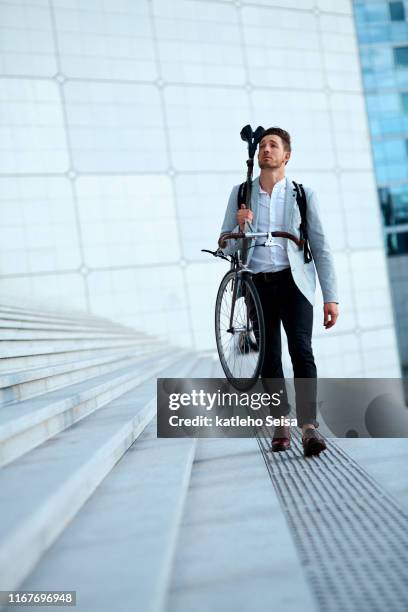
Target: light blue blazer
[304, 274]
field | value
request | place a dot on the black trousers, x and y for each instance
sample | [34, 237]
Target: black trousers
[282, 300]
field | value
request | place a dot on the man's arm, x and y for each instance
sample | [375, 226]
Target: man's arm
[230, 223]
[321, 250]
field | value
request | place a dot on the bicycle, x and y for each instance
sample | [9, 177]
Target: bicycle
[239, 321]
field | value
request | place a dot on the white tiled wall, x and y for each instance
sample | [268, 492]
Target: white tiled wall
[106, 40]
[33, 138]
[38, 231]
[27, 43]
[115, 127]
[115, 214]
[119, 146]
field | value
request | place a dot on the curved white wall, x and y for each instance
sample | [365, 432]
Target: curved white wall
[120, 143]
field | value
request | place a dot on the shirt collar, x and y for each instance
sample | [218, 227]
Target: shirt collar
[280, 183]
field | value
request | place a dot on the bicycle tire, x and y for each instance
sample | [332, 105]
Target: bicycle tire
[241, 378]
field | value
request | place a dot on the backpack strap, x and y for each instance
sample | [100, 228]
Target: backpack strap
[302, 203]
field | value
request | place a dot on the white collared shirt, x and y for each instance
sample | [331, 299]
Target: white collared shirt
[271, 219]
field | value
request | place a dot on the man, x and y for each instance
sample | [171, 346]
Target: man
[285, 282]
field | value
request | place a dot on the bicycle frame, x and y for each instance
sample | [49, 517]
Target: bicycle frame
[239, 264]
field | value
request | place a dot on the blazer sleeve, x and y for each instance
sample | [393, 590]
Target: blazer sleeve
[230, 222]
[320, 249]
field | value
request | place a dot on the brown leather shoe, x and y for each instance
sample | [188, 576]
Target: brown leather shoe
[313, 442]
[281, 438]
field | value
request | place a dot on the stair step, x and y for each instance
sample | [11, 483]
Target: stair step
[72, 362]
[26, 322]
[43, 314]
[22, 348]
[24, 425]
[23, 385]
[13, 365]
[233, 527]
[15, 334]
[42, 492]
[149, 486]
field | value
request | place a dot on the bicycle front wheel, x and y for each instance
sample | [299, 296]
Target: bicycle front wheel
[239, 330]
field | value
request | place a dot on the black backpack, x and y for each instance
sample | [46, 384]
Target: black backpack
[302, 204]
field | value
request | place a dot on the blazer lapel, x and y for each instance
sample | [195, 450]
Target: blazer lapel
[254, 201]
[290, 199]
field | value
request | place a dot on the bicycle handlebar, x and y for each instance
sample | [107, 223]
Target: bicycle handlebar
[249, 235]
[217, 253]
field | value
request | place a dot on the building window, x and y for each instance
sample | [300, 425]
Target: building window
[397, 11]
[401, 56]
[394, 207]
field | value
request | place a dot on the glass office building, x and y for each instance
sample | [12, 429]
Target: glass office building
[382, 32]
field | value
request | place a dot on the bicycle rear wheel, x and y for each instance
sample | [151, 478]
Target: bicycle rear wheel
[240, 338]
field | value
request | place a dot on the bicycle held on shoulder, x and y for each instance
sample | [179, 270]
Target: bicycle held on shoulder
[239, 321]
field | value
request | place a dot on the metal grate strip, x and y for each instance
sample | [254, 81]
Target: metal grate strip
[351, 535]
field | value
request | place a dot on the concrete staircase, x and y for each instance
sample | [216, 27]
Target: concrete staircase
[76, 391]
[92, 501]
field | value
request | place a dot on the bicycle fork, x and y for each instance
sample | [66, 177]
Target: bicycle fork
[235, 292]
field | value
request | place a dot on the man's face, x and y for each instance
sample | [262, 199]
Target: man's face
[271, 153]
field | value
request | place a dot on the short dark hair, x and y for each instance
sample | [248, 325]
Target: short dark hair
[277, 131]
